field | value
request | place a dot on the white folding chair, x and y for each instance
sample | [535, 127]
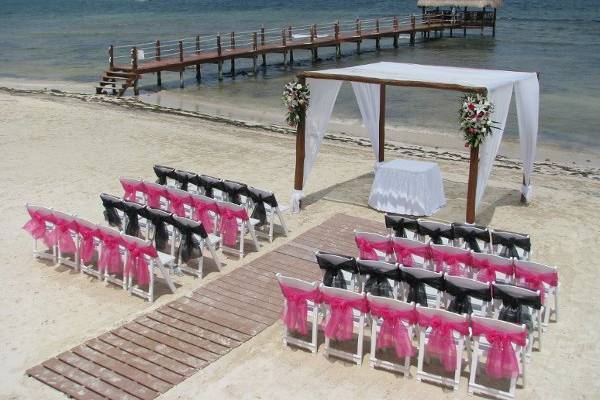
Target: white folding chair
[543, 273]
[458, 340]
[479, 294]
[368, 269]
[210, 243]
[435, 231]
[420, 256]
[115, 235]
[153, 263]
[481, 347]
[213, 213]
[160, 191]
[330, 263]
[394, 305]
[272, 209]
[502, 262]
[511, 244]
[88, 267]
[48, 253]
[427, 277]
[63, 258]
[381, 245]
[312, 314]
[358, 323]
[441, 254]
[244, 227]
[403, 226]
[135, 184]
[472, 237]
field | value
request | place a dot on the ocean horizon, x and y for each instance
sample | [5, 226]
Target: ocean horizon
[68, 39]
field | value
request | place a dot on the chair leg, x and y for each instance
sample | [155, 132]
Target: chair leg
[556, 303]
[373, 355]
[421, 355]
[474, 364]
[271, 225]
[213, 253]
[151, 284]
[242, 236]
[459, 352]
[361, 334]
[282, 221]
[315, 328]
[253, 235]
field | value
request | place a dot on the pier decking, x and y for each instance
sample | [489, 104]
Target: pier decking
[127, 63]
[153, 353]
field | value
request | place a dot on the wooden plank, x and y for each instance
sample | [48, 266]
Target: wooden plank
[280, 262]
[231, 285]
[117, 378]
[165, 379]
[239, 301]
[62, 384]
[286, 272]
[87, 380]
[148, 354]
[258, 280]
[267, 290]
[160, 348]
[231, 309]
[166, 329]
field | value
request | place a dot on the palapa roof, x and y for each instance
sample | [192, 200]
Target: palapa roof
[460, 3]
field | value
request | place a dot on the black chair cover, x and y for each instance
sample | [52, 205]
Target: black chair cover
[189, 247]
[333, 267]
[132, 210]
[162, 173]
[470, 234]
[461, 303]
[260, 198]
[208, 183]
[510, 241]
[235, 191]
[182, 178]
[515, 307]
[159, 219]
[417, 284]
[379, 272]
[400, 224]
[111, 204]
[436, 234]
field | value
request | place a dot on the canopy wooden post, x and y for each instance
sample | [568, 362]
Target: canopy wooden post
[381, 156]
[299, 173]
[472, 185]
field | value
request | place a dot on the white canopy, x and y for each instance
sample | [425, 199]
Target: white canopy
[368, 79]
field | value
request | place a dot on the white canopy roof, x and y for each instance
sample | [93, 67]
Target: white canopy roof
[402, 74]
[460, 3]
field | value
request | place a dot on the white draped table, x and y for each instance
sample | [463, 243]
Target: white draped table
[408, 187]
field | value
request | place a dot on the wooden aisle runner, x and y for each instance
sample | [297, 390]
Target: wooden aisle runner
[150, 355]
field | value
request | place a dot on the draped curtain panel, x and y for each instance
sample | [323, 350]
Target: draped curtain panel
[367, 97]
[527, 96]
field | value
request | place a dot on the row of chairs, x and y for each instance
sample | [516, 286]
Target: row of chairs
[261, 204]
[397, 325]
[100, 251]
[480, 239]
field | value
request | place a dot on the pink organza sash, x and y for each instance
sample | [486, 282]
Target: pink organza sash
[61, 235]
[229, 225]
[294, 313]
[441, 341]
[110, 257]
[340, 323]
[86, 251]
[393, 332]
[136, 264]
[131, 189]
[36, 227]
[202, 211]
[501, 358]
[153, 196]
[535, 281]
[368, 248]
[449, 262]
[177, 204]
[487, 270]
[404, 254]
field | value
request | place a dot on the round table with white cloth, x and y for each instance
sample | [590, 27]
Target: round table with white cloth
[408, 187]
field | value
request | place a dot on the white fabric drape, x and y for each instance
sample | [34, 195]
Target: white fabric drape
[527, 96]
[322, 98]
[367, 97]
[488, 150]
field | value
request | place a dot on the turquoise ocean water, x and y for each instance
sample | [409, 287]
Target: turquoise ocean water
[67, 40]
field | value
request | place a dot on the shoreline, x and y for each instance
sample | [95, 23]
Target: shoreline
[418, 151]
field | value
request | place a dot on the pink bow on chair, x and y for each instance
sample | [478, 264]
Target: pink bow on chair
[451, 262]
[501, 358]
[177, 204]
[229, 225]
[404, 254]
[340, 321]
[110, 257]
[535, 281]
[441, 340]
[61, 235]
[201, 213]
[295, 311]
[393, 332]
[136, 264]
[130, 189]
[86, 252]
[368, 249]
[36, 227]
[153, 196]
[487, 270]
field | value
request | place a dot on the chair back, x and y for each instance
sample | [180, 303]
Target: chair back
[44, 211]
[370, 245]
[511, 242]
[497, 325]
[90, 226]
[162, 173]
[515, 295]
[59, 215]
[186, 225]
[235, 191]
[182, 178]
[450, 259]
[444, 315]
[208, 184]
[260, 195]
[225, 206]
[392, 304]
[379, 273]
[470, 235]
[154, 192]
[462, 289]
[341, 293]
[486, 266]
[401, 224]
[296, 283]
[435, 230]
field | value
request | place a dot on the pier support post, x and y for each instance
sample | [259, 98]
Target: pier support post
[494, 25]
[359, 35]
[111, 57]
[338, 45]
[181, 60]
[472, 185]
[396, 34]
[232, 47]
[198, 73]
[284, 44]
[220, 62]
[262, 43]
[254, 47]
[465, 22]
[157, 58]
[377, 38]
[413, 23]
[482, 20]
[134, 65]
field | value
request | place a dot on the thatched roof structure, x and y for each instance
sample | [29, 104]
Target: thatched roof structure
[460, 3]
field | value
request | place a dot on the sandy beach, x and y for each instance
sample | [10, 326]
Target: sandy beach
[63, 150]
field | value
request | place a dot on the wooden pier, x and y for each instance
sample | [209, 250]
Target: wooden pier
[127, 63]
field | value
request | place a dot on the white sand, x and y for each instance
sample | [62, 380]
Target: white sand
[63, 152]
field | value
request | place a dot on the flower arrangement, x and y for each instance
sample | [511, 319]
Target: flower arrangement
[475, 121]
[295, 97]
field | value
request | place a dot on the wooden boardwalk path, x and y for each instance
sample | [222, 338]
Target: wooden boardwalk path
[153, 353]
